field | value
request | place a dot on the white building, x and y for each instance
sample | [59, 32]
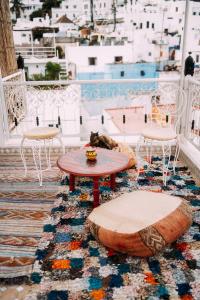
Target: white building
[22, 31]
[29, 6]
[37, 66]
[94, 58]
[71, 8]
[64, 24]
[75, 9]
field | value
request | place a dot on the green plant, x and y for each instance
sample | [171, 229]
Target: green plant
[52, 71]
[38, 77]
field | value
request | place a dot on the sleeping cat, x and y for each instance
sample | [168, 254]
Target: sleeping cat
[102, 141]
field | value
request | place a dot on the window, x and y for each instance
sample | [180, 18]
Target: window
[74, 6]
[122, 73]
[152, 25]
[85, 6]
[194, 13]
[104, 4]
[180, 20]
[142, 73]
[118, 59]
[147, 24]
[176, 9]
[67, 6]
[92, 61]
[23, 34]
[149, 53]
[197, 58]
[140, 25]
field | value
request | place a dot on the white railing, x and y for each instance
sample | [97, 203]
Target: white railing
[13, 102]
[39, 52]
[115, 107]
[193, 112]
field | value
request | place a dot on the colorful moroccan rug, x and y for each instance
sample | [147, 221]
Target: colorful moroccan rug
[24, 206]
[71, 264]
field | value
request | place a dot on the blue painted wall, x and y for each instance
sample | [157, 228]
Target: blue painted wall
[118, 71]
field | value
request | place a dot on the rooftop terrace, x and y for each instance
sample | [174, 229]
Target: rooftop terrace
[45, 245]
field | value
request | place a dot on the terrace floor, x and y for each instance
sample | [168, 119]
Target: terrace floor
[40, 226]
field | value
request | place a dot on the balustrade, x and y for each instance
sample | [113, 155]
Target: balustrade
[118, 108]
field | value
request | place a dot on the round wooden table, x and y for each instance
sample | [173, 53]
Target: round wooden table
[108, 162]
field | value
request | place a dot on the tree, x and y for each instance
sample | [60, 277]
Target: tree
[8, 63]
[48, 4]
[17, 7]
[36, 14]
[52, 71]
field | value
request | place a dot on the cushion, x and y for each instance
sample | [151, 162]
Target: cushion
[126, 149]
[41, 133]
[159, 134]
[140, 223]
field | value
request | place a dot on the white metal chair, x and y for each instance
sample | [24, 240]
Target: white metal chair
[41, 138]
[163, 129]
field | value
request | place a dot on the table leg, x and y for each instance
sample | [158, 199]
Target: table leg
[71, 182]
[112, 181]
[96, 191]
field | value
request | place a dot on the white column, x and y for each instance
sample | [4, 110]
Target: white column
[183, 126]
[184, 46]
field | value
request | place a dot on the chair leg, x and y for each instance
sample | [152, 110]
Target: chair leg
[137, 152]
[166, 150]
[177, 151]
[47, 152]
[36, 150]
[148, 145]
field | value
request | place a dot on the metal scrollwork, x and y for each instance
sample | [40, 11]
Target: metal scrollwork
[15, 99]
[194, 116]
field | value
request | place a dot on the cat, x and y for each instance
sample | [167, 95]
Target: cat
[102, 141]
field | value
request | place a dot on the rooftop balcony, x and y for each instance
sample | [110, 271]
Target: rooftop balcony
[44, 233]
[113, 107]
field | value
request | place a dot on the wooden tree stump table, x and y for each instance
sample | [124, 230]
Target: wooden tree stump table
[108, 162]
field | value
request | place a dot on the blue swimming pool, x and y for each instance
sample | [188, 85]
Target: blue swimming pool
[118, 71]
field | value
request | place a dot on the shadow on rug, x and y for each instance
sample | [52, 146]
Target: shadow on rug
[71, 264]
